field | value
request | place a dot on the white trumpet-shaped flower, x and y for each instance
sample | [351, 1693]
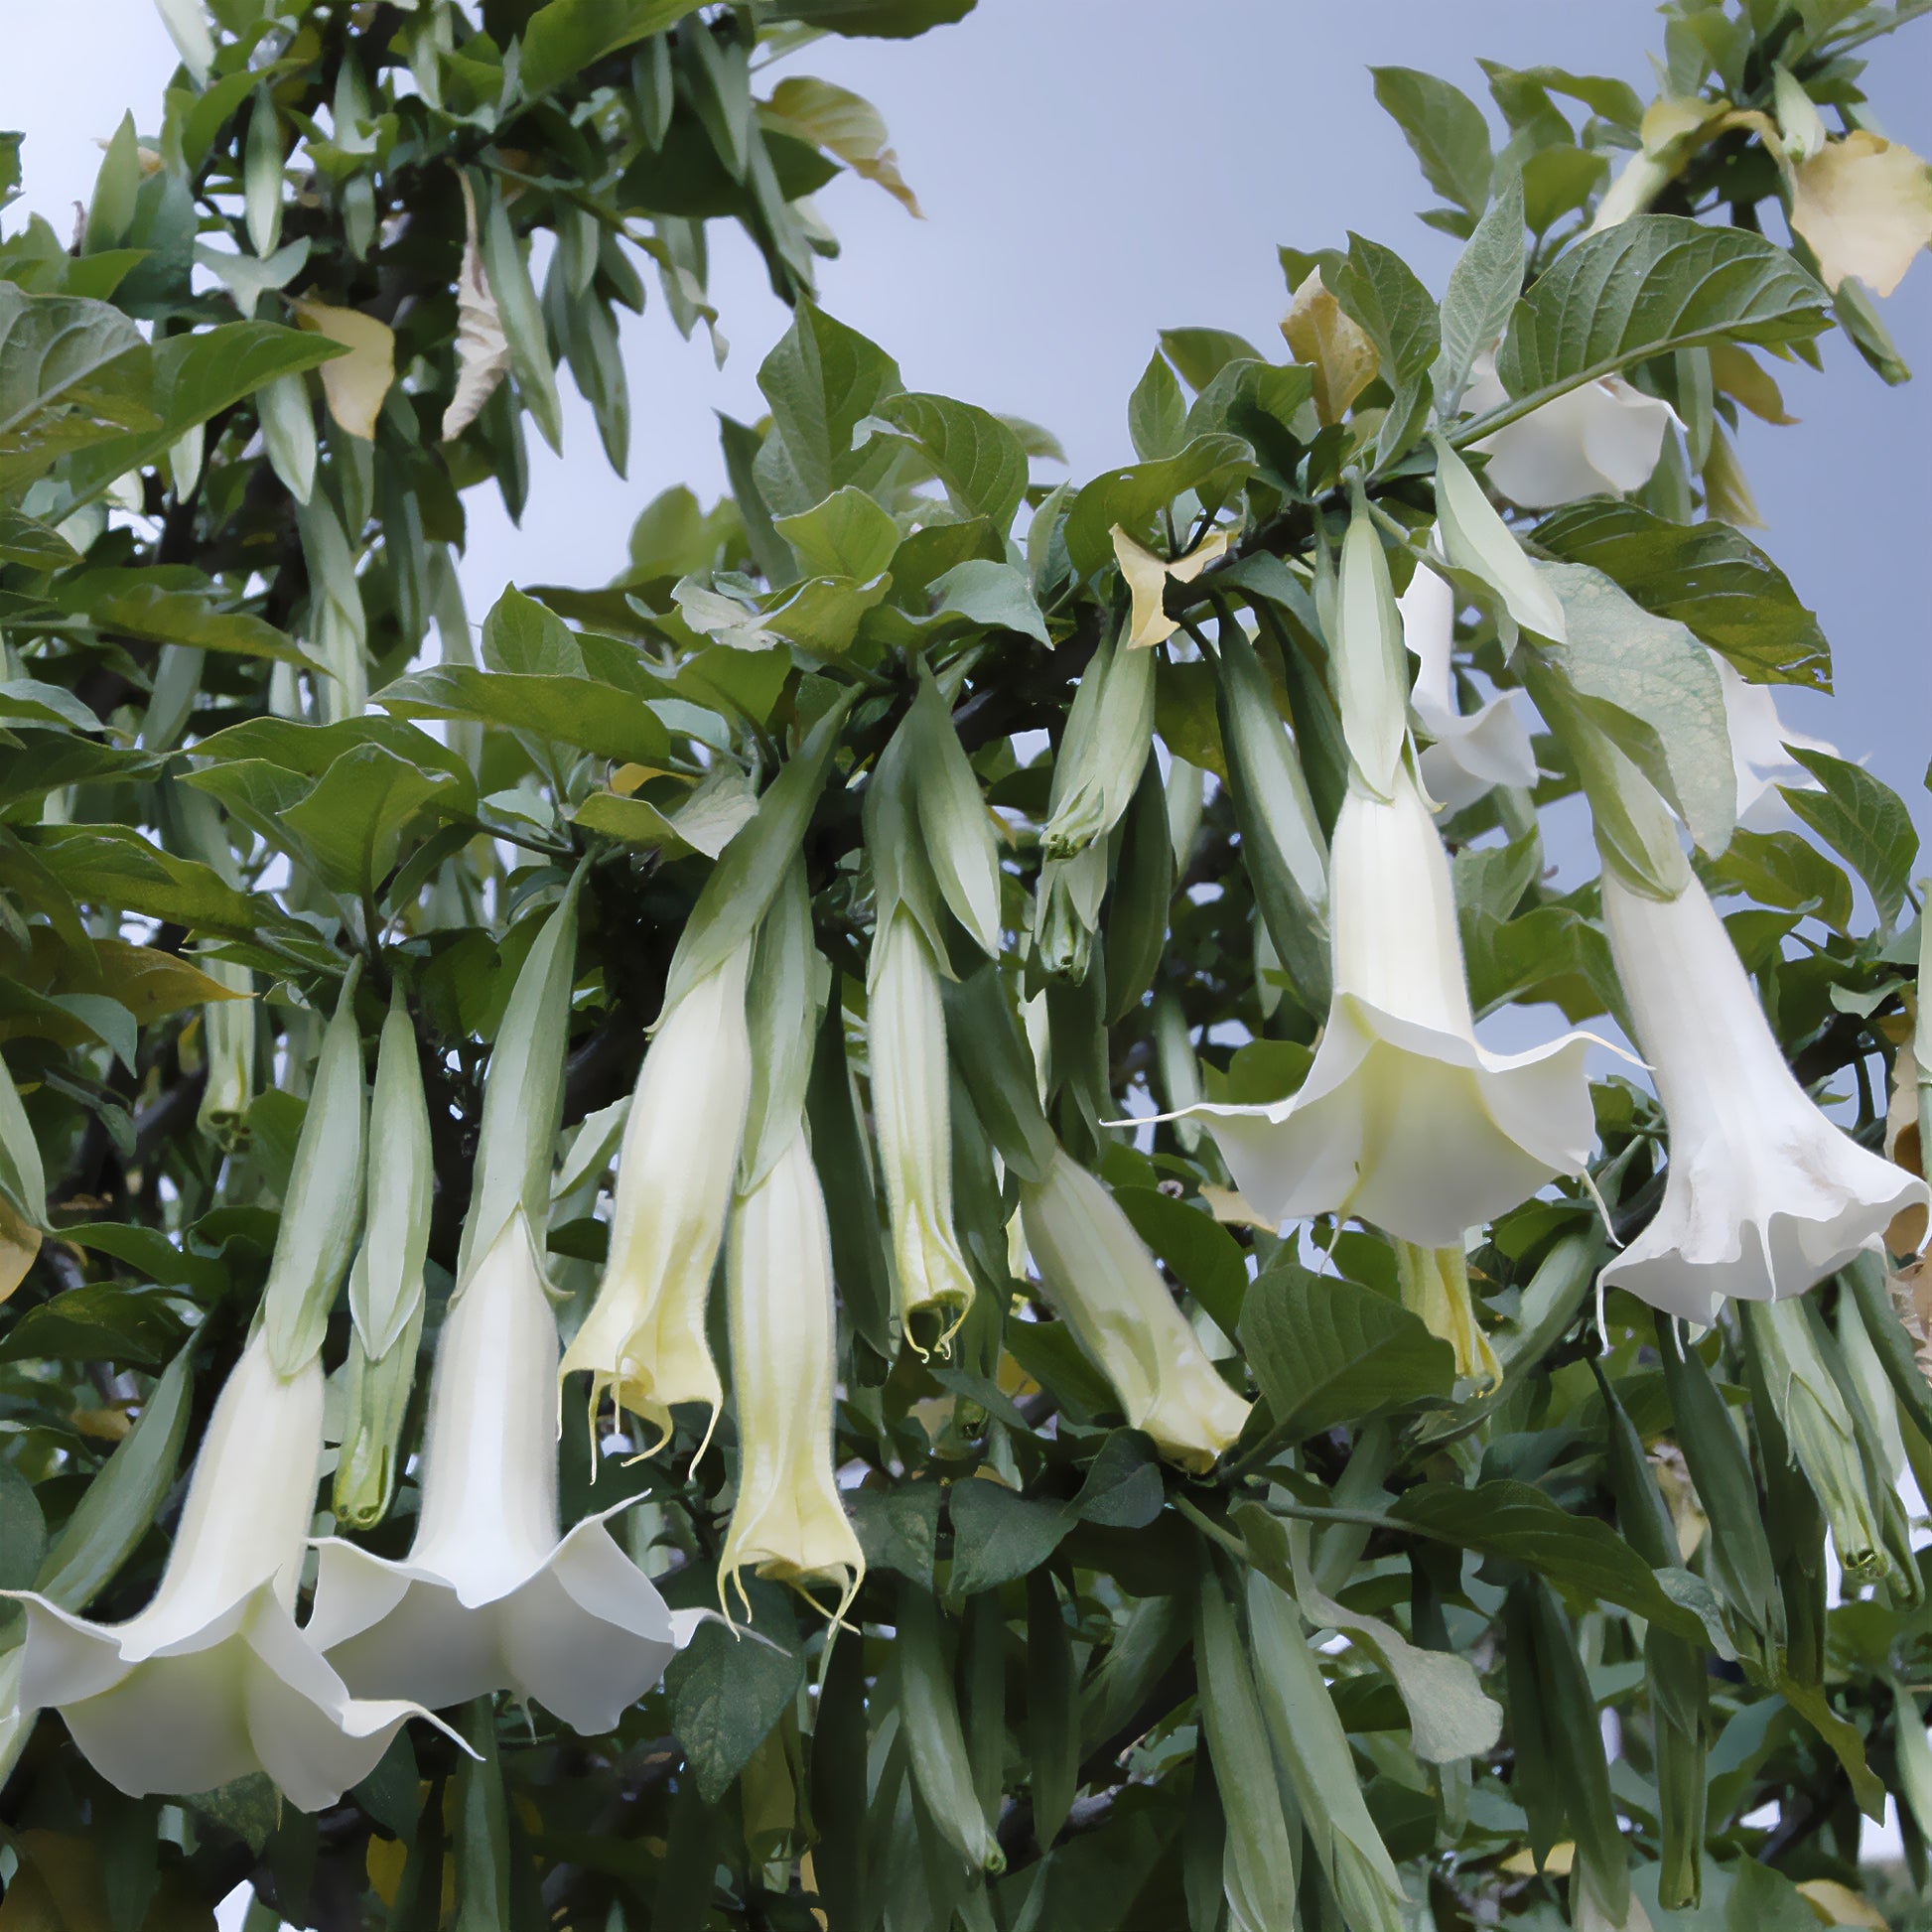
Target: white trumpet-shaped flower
[1758, 738]
[1404, 1119]
[1104, 1285]
[1763, 1197]
[1600, 436]
[912, 1111]
[214, 1680]
[491, 1596]
[787, 1521]
[1473, 751]
[643, 1340]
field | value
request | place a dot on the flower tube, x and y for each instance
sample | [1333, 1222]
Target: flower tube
[213, 1681]
[1103, 1283]
[492, 1595]
[912, 1111]
[1404, 1119]
[1600, 438]
[1763, 1197]
[787, 1522]
[645, 1337]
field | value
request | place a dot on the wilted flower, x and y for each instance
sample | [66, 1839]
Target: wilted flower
[1758, 738]
[1865, 205]
[1103, 1282]
[1473, 751]
[1763, 1197]
[1147, 577]
[1604, 436]
[213, 1681]
[643, 1340]
[787, 1521]
[228, 1051]
[491, 1595]
[1404, 1119]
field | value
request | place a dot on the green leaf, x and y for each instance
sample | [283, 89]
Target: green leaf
[114, 1513]
[974, 454]
[564, 38]
[579, 711]
[1157, 416]
[1122, 1487]
[1328, 1352]
[1384, 294]
[822, 381]
[23, 1530]
[988, 593]
[351, 824]
[1483, 288]
[100, 1321]
[1517, 1523]
[726, 1691]
[1651, 284]
[115, 865]
[1783, 870]
[994, 1059]
[1863, 821]
[170, 604]
[1447, 130]
[72, 371]
[1200, 1250]
[847, 535]
[899, 1527]
[999, 1535]
[875, 19]
[38, 546]
[1210, 466]
[1200, 355]
[1704, 575]
[1653, 687]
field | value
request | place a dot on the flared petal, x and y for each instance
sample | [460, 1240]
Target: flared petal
[1604, 437]
[256, 1697]
[1763, 1197]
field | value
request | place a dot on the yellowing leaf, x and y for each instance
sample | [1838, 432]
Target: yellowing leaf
[1838, 1904]
[1323, 335]
[353, 384]
[1726, 490]
[1522, 1864]
[20, 1242]
[847, 125]
[1865, 206]
[1737, 374]
[1231, 1208]
[483, 349]
[1147, 577]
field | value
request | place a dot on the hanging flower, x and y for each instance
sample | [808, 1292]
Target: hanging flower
[1103, 1282]
[1404, 1119]
[1763, 1197]
[787, 1521]
[213, 1681]
[1604, 437]
[913, 1113]
[643, 1340]
[1473, 751]
[491, 1596]
[1758, 737]
[1865, 205]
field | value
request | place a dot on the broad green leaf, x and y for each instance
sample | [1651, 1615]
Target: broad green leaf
[171, 604]
[100, 1321]
[1384, 294]
[1157, 416]
[1328, 1352]
[976, 456]
[38, 546]
[847, 535]
[1517, 1523]
[899, 1527]
[1863, 821]
[992, 594]
[726, 1691]
[120, 1502]
[822, 381]
[113, 864]
[23, 1530]
[1483, 288]
[1204, 1256]
[1784, 870]
[1654, 688]
[1651, 284]
[352, 822]
[565, 37]
[576, 711]
[999, 1535]
[875, 19]
[1704, 575]
[1200, 355]
[73, 372]
[1210, 466]
[1447, 130]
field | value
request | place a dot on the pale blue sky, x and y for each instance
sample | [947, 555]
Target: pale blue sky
[1094, 170]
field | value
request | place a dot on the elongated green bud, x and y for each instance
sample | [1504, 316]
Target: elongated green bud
[1478, 540]
[1109, 730]
[1822, 1434]
[23, 1188]
[1311, 1747]
[936, 1740]
[228, 1051]
[953, 821]
[376, 1398]
[261, 175]
[1371, 666]
[523, 1096]
[288, 422]
[322, 1214]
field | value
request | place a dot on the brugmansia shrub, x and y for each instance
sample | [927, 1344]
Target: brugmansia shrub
[830, 1237]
